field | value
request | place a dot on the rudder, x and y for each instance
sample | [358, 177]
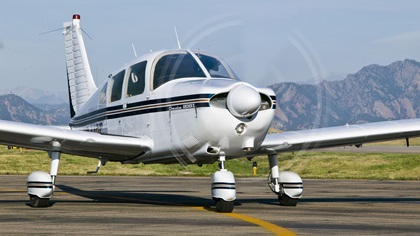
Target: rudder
[79, 76]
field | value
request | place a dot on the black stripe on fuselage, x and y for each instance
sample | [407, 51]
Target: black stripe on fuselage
[143, 107]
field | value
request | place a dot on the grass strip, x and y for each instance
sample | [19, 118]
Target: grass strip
[321, 165]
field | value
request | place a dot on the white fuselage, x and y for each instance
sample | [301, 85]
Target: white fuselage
[191, 118]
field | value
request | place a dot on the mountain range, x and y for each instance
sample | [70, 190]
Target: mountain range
[38, 96]
[374, 93]
[15, 108]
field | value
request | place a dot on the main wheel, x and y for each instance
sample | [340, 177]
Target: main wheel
[38, 202]
[224, 206]
[285, 200]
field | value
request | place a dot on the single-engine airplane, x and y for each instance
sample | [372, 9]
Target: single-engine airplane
[177, 106]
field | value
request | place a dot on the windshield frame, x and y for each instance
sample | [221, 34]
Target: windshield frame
[195, 54]
[227, 68]
[201, 71]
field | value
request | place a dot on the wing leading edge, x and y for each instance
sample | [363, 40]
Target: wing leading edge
[340, 136]
[114, 148]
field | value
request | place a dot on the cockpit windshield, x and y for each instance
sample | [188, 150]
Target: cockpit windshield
[181, 64]
[215, 67]
[175, 66]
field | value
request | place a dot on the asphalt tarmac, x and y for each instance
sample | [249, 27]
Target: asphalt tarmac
[106, 205]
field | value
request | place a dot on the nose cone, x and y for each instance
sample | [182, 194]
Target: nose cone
[243, 101]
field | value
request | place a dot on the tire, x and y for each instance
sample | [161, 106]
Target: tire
[38, 202]
[224, 206]
[287, 201]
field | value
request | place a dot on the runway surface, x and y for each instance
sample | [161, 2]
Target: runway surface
[93, 205]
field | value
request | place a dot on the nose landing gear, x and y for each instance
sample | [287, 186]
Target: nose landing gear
[223, 190]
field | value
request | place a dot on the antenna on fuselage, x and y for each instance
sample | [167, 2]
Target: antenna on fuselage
[134, 50]
[177, 39]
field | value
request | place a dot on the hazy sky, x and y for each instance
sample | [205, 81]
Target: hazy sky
[265, 42]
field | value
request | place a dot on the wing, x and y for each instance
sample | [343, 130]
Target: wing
[81, 143]
[340, 136]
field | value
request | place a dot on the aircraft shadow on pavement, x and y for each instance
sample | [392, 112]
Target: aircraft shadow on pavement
[182, 198]
[141, 197]
[274, 201]
[361, 199]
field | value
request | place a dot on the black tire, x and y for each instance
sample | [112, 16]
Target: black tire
[285, 200]
[38, 202]
[224, 206]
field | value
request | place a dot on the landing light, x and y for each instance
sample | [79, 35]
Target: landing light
[240, 128]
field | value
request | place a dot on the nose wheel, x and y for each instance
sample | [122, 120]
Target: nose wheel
[224, 206]
[36, 201]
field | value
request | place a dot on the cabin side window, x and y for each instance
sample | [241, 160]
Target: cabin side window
[102, 94]
[136, 79]
[116, 84]
[175, 66]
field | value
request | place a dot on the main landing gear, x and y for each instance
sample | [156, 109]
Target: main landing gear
[41, 184]
[286, 184]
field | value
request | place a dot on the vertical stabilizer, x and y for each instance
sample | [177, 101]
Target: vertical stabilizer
[80, 79]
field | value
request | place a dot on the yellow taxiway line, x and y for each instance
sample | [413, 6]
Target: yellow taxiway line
[278, 230]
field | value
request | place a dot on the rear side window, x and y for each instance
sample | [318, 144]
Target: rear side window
[116, 84]
[175, 66]
[136, 79]
[102, 95]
